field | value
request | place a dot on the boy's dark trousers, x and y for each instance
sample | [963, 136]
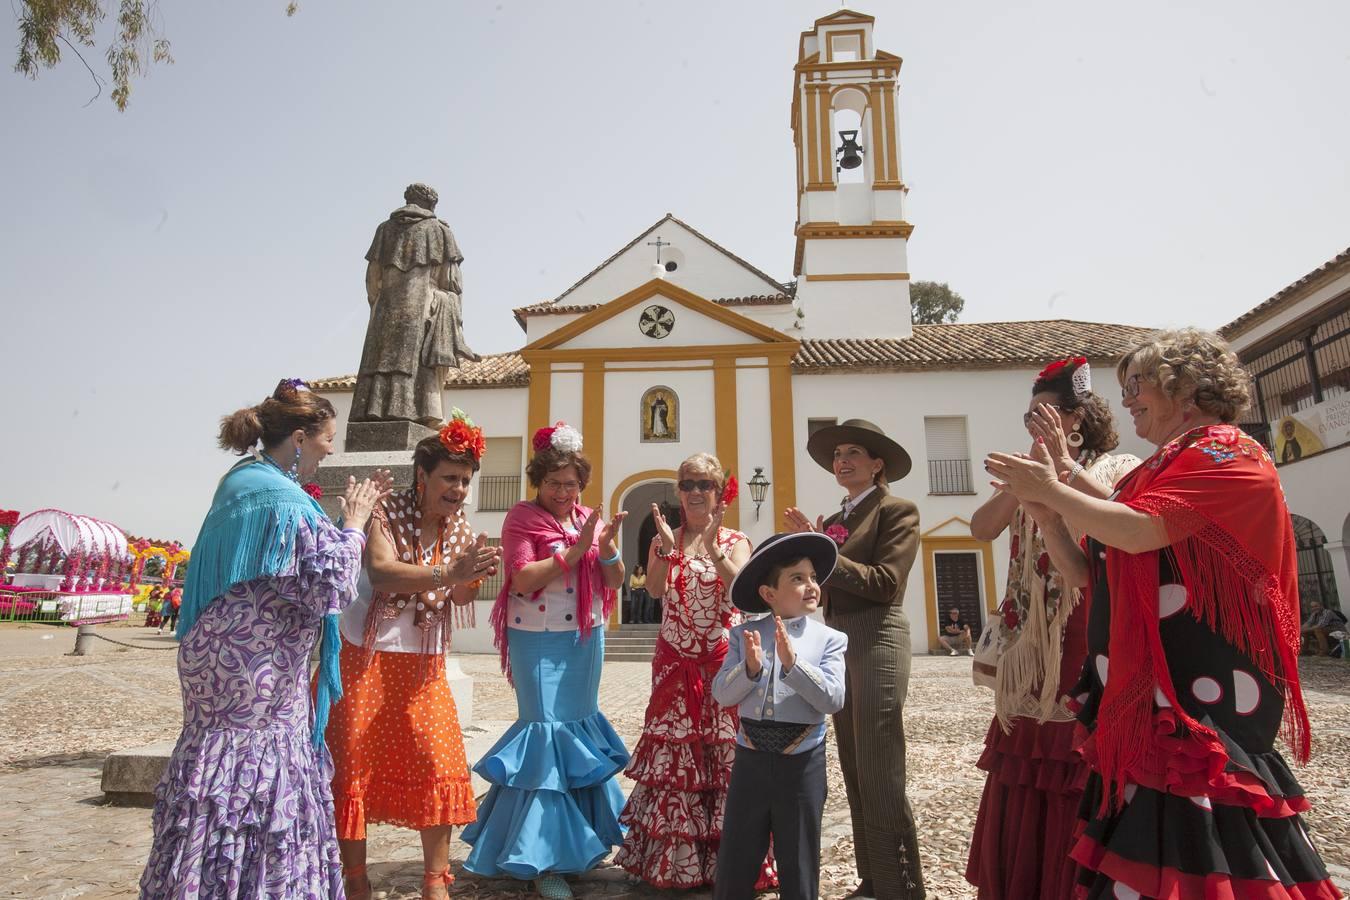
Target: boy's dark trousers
[772, 794]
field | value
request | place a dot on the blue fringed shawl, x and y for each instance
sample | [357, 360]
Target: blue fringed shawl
[250, 533]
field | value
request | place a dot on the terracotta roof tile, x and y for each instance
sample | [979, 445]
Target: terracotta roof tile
[976, 345]
[1286, 296]
[493, 370]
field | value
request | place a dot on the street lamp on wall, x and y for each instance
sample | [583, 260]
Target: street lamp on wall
[759, 488]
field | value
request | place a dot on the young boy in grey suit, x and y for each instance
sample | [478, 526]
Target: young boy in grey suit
[784, 673]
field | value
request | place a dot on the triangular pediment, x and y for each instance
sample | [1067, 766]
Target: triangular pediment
[703, 267]
[688, 320]
[846, 17]
[953, 527]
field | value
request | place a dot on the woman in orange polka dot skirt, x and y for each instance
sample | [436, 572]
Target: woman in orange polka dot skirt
[397, 749]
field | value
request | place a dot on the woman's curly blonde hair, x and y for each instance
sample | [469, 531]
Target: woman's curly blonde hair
[1188, 363]
[704, 464]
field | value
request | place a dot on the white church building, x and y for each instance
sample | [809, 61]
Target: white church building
[655, 361]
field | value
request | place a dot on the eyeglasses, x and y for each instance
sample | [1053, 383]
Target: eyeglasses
[570, 487]
[689, 485]
[1026, 417]
[1131, 386]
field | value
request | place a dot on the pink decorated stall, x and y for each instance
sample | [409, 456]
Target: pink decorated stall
[67, 568]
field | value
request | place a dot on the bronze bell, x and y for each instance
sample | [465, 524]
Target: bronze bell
[850, 154]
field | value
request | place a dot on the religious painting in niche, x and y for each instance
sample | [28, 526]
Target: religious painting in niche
[660, 416]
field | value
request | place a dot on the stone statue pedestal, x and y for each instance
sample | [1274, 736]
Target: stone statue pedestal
[370, 446]
[367, 437]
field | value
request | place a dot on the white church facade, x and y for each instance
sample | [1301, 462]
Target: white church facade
[675, 345]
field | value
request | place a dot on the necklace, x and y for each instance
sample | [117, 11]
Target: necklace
[293, 473]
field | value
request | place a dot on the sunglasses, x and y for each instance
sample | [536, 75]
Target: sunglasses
[1026, 417]
[689, 485]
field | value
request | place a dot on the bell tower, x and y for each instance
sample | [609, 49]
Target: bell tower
[851, 262]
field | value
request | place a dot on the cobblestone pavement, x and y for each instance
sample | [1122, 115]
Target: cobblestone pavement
[59, 717]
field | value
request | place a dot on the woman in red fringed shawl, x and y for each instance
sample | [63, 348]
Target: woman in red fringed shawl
[1192, 667]
[553, 808]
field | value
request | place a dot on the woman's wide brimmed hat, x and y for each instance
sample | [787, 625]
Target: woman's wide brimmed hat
[820, 549]
[863, 433]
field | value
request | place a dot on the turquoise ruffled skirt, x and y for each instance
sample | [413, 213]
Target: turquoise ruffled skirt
[554, 803]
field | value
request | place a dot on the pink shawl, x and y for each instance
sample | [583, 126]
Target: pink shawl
[529, 535]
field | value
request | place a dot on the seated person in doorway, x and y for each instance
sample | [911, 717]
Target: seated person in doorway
[785, 673]
[955, 632]
[1318, 626]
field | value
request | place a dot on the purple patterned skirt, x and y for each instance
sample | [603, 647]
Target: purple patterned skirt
[245, 807]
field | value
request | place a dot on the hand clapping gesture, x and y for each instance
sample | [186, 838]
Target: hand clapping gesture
[663, 532]
[754, 653]
[359, 500]
[1028, 478]
[1045, 424]
[797, 520]
[786, 655]
[608, 533]
[479, 561]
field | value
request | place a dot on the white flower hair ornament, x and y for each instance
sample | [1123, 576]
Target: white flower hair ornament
[561, 437]
[1082, 380]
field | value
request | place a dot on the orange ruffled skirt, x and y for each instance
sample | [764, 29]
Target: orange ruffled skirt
[398, 753]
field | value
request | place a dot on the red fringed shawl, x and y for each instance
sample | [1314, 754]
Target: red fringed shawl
[1217, 494]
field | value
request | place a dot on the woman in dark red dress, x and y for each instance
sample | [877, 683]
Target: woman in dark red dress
[1193, 634]
[1029, 808]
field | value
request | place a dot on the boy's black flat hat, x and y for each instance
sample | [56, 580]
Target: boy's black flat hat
[821, 550]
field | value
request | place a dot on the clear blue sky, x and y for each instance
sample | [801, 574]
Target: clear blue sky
[1157, 163]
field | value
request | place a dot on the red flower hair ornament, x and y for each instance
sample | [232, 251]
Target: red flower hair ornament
[462, 437]
[731, 490]
[559, 436]
[1081, 376]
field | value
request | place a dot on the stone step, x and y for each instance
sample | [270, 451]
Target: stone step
[625, 656]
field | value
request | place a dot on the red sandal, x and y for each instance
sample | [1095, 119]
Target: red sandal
[442, 878]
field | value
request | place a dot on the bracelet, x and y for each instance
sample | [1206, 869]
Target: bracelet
[1074, 473]
[562, 561]
[612, 560]
[438, 575]
[719, 558]
[663, 555]
[356, 531]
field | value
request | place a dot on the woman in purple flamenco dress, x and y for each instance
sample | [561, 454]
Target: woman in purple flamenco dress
[244, 809]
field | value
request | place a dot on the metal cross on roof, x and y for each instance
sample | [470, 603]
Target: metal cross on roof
[658, 244]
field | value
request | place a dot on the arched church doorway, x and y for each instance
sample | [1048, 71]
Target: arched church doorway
[1316, 578]
[639, 528]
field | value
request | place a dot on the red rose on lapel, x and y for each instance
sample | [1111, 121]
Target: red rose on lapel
[837, 533]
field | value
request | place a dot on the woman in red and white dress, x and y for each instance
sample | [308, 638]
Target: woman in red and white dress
[682, 763]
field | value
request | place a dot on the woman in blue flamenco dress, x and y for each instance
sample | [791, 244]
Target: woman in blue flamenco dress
[244, 809]
[553, 808]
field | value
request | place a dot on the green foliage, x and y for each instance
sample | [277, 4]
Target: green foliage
[138, 41]
[934, 303]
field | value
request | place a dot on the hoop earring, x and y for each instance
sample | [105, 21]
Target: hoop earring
[1073, 438]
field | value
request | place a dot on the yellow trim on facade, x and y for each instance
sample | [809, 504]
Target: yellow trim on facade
[879, 172]
[859, 33]
[783, 450]
[929, 548]
[843, 17]
[616, 498]
[654, 288]
[880, 229]
[541, 382]
[826, 137]
[726, 433]
[861, 276]
[892, 129]
[812, 142]
[714, 352]
[593, 430]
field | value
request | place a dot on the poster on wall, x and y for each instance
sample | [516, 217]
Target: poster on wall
[1312, 430]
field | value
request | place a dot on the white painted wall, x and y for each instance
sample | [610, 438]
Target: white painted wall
[992, 402]
[1293, 313]
[754, 447]
[853, 309]
[705, 270]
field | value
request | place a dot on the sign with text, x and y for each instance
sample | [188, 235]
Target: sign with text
[1312, 430]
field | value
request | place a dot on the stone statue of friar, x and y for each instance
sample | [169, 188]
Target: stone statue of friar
[416, 328]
